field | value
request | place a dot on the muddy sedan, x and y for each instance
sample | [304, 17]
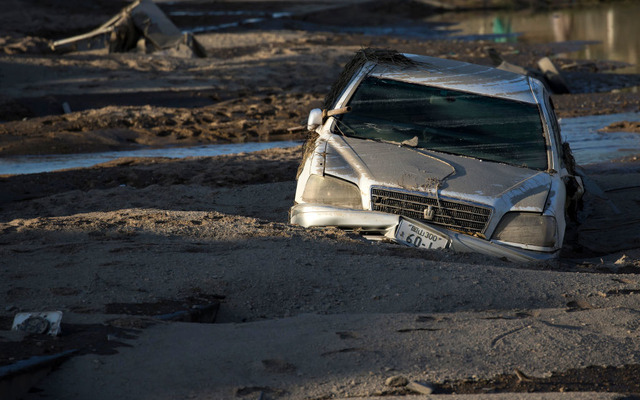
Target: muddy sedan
[437, 154]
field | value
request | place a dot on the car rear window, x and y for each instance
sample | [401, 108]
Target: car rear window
[449, 121]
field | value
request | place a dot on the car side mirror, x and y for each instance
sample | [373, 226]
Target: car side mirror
[315, 119]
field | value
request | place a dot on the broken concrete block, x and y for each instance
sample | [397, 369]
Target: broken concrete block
[420, 387]
[553, 77]
[396, 381]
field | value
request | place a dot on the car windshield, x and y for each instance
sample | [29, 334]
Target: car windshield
[449, 121]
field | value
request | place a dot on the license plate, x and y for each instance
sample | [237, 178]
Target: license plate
[419, 235]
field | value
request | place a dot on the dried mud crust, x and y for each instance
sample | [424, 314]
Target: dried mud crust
[623, 126]
[80, 338]
[107, 337]
[147, 234]
[620, 379]
[141, 236]
[591, 379]
[582, 104]
[242, 119]
[255, 86]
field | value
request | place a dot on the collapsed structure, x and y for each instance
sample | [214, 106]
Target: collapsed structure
[141, 26]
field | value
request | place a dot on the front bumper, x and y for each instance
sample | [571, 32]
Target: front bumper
[377, 226]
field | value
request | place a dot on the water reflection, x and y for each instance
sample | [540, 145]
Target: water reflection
[591, 146]
[614, 26]
[17, 165]
[502, 28]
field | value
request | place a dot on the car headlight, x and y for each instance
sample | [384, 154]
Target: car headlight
[332, 191]
[528, 229]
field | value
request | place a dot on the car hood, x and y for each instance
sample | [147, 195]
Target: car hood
[369, 163]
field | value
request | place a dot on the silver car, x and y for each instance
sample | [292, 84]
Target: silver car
[436, 153]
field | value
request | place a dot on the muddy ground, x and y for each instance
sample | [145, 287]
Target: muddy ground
[301, 313]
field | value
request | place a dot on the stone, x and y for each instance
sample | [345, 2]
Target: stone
[396, 381]
[420, 387]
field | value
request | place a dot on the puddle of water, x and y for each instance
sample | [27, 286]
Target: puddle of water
[19, 165]
[409, 31]
[209, 13]
[228, 13]
[613, 27]
[590, 146]
[261, 16]
[610, 31]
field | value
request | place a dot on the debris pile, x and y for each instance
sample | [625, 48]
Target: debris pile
[547, 72]
[142, 27]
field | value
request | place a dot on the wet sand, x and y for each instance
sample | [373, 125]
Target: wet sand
[303, 313]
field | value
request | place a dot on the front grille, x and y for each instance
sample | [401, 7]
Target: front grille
[448, 214]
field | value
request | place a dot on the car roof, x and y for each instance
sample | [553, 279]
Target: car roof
[458, 75]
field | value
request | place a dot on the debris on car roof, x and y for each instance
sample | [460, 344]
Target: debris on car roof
[140, 26]
[359, 59]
